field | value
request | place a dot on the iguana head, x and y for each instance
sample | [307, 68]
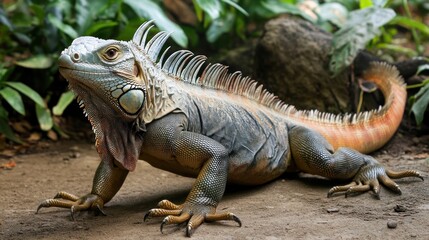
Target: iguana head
[108, 83]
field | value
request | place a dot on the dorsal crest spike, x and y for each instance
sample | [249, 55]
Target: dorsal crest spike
[140, 35]
[154, 46]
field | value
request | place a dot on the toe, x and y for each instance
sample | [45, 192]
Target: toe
[159, 212]
[175, 219]
[344, 188]
[165, 204]
[212, 217]
[386, 181]
[357, 189]
[194, 223]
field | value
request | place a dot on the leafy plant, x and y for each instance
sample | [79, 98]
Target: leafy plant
[361, 26]
[11, 92]
[33, 34]
[420, 100]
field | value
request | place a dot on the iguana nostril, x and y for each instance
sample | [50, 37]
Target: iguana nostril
[76, 57]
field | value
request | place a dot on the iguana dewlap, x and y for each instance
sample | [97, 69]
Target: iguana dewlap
[213, 125]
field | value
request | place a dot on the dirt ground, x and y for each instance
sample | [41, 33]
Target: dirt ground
[289, 208]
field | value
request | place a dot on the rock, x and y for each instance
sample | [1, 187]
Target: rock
[292, 61]
[392, 224]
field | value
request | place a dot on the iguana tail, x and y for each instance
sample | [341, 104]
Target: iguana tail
[365, 131]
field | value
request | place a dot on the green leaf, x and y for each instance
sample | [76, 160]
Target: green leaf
[333, 12]
[422, 68]
[65, 99]
[219, 27]
[83, 15]
[421, 103]
[27, 91]
[212, 7]
[99, 25]
[36, 62]
[361, 26]
[397, 48]
[150, 10]
[365, 4]
[67, 29]
[5, 20]
[14, 99]
[44, 117]
[5, 128]
[5, 73]
[236, 6]
[279, 8]
[411, 23]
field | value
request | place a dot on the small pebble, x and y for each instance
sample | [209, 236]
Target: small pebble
[399, 208]
[74, 154]
[332, 210]
[392, 224]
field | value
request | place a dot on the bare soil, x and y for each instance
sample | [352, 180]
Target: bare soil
[292, 207]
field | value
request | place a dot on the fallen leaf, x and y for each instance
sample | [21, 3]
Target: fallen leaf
[9, 165]
[8, 153]
[421, 156]
[52, 135]
[34, 137]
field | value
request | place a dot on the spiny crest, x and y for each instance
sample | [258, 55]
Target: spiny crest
[185, 66]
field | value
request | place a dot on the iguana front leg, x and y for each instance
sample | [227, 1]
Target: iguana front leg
[313, 154]
[197, 151]
[107, 181]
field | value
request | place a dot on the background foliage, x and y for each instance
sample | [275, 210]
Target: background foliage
[34, 32]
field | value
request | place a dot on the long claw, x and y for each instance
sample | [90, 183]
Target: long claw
[162, 224]
[146, 216]
[100, 209]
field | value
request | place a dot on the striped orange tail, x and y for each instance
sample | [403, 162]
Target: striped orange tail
[367, 131]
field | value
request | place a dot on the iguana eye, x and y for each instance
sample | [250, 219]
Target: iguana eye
[111, 53]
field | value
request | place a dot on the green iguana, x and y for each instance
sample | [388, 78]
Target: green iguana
[213, 125]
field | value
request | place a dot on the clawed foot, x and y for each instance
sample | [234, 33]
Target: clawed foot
[193, 214]
[76, 204]
[369, 178]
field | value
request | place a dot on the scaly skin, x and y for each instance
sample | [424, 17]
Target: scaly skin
[217, 127]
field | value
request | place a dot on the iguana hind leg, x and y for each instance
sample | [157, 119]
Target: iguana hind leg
[313, 154]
